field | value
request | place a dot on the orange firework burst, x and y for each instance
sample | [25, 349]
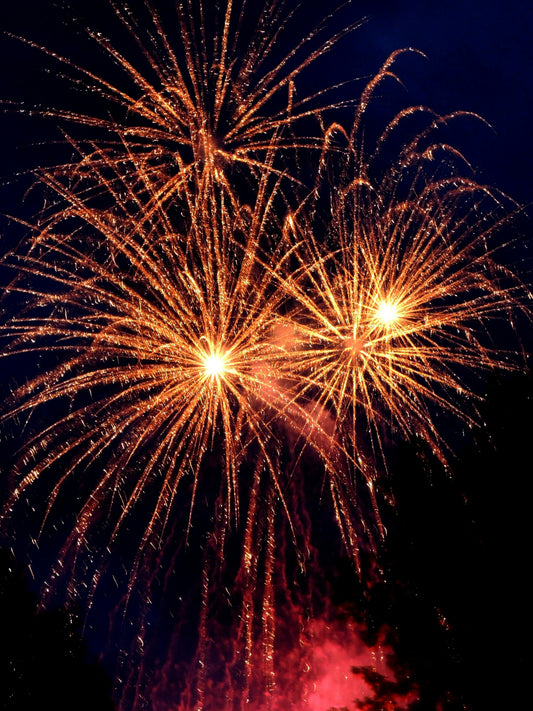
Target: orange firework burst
[165, 349]
[395, 295]
[204, 97]
[391, 317]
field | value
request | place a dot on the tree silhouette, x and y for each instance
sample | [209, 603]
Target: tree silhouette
[453, 597]
[44, 661]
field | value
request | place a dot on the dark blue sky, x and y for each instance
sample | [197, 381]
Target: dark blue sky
[480, 58]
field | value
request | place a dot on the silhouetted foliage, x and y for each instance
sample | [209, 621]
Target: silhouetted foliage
[453, 595]
[44, 662]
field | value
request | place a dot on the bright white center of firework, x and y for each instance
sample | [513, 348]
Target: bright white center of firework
[214, 365]
[387, 313]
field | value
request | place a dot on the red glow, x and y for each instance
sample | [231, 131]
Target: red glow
[336, 650]
[332, 659]
[315, 676]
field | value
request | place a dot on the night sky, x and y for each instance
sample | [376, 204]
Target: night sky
[479, 58]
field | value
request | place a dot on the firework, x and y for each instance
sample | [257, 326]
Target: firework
[201, 335]
[206, 95]
[397, 297]
[392, 316]
[162, 346]
[166, 350]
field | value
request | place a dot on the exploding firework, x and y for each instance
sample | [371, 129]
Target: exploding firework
[197, 345]
[167, 347]
[396, 296]
[205, 95]
[395, 293]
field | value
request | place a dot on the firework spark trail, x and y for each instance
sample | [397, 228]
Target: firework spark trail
[206, 102]
[172, 341]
